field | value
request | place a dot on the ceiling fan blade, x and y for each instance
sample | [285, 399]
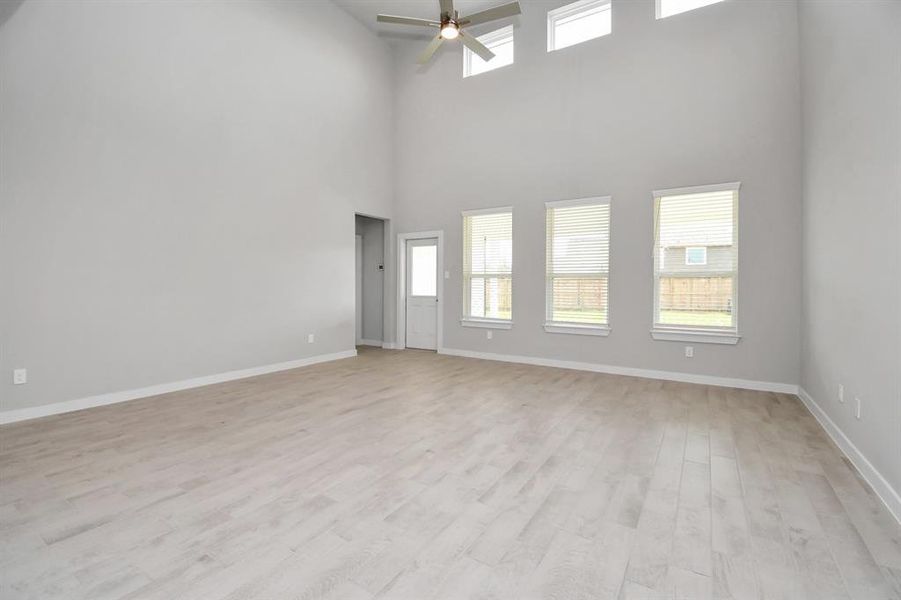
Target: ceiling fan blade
[498, 12]
[447, 8]
[476, 46]
[406, 21]
[430, 50]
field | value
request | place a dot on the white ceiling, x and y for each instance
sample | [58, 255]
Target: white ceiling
[366, 11]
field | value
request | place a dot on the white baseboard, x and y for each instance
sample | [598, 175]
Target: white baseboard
[880, 485]
[22, 414]
[764, 386]
[376, 343]
[392, 346]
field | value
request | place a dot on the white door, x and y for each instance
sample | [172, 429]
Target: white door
[359, 288]
[422, 294]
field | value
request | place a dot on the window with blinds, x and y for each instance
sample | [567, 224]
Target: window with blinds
[578, 262]
[488, 264]
[696, 258]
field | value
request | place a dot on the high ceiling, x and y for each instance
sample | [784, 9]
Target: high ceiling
[366, 11]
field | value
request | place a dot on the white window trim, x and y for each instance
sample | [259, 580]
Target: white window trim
[699, 189]
[566, 11]
[486, 211]
[592, 201]
[658, 15]
[487, 323]
[693, 264]
[698, 334]
[492, 37]
[576, 329]
[580, 328]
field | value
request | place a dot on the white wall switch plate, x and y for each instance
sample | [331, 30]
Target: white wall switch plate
[311, 338]
[857, 408]
[489, 334]
[689, 351]
[447, 274]
[20, 376]
[841, 393]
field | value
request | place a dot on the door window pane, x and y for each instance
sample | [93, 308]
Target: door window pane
[424, 271]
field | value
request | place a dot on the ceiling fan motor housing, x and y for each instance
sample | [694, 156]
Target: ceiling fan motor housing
[450, 27]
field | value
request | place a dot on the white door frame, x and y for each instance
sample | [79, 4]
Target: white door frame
[358, 292]
[401, 339]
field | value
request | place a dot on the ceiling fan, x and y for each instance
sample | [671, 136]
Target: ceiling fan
[450, 26]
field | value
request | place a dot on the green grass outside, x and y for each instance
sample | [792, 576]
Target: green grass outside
[694, 317]
[580, 316]
[667, 317]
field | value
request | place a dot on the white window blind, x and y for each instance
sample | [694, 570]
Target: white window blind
[690, 224]
[577, 22]
[500, 42]
[578, 261]
[668, 8]
[488, 264]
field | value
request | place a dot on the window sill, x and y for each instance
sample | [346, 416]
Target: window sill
[571, 328]
[697, 336]
[487, 323]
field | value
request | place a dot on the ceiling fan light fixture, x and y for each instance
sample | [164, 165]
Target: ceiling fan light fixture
[450, 31]
[450, 26]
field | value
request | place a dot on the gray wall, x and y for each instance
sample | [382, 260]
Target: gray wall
[851, 55]
[373, 234]
[179, 180]
[708, 96]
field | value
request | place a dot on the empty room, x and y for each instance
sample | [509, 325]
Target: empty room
[450, 299]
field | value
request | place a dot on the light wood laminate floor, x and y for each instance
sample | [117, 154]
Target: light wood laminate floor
[411, 475]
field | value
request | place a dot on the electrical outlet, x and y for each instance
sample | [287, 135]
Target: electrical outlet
[689, 351]
[857, 407]
[447, 274]
[20, 376]
[489, 334]
[841, 393]
[311, 338]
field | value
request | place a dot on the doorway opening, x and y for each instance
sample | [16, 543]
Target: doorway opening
[420, 290]
[370, 280]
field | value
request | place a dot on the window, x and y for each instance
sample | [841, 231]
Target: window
[423, 270]
[577, 22]
[578, 265]
[668, 8]
[488, 268]
[500, 42]
[696, 263]
[695, 256]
